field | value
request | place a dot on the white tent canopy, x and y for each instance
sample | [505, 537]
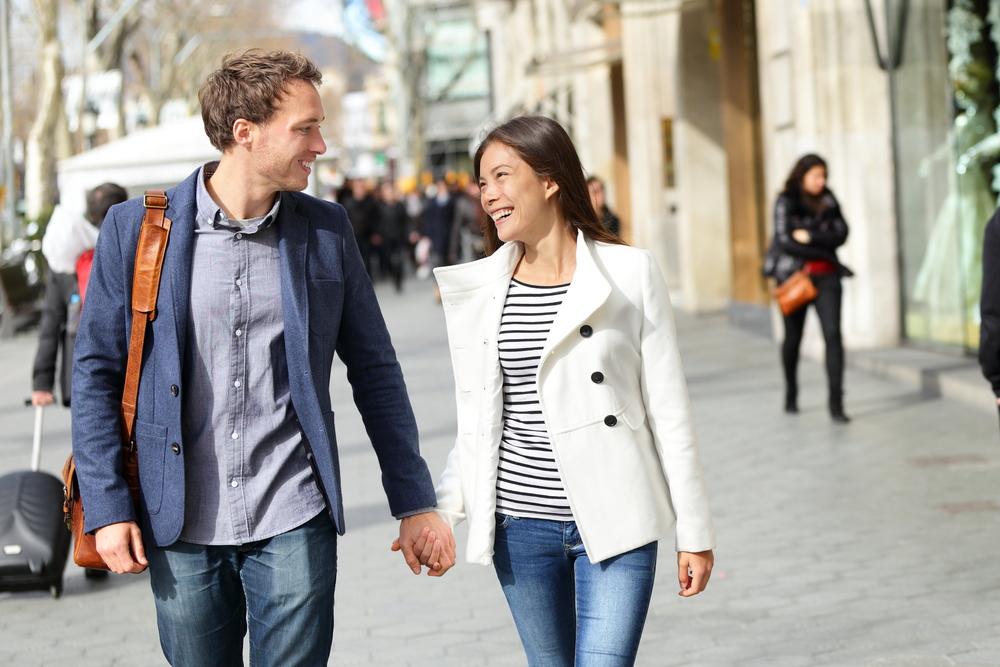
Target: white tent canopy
[157, 158]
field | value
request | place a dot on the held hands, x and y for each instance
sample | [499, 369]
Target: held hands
[120, 545]
[425, 539]
[693, 571]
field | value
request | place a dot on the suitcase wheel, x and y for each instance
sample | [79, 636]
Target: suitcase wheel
[56, 589]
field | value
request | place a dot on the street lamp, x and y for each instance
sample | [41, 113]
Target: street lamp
[88, 123]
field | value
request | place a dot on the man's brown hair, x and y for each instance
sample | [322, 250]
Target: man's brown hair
[250, 85]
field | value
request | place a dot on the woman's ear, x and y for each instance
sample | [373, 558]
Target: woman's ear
[551, 187]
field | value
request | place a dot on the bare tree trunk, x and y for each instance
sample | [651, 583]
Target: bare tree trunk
[46, 132]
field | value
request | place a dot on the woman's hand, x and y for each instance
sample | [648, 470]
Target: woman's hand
[802, 236]
[693, 571]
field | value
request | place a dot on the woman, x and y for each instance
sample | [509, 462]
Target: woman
[808, 228]
[572, 410]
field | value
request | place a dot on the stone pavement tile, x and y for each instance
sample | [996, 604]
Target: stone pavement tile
[978, 658]
[774, 661]
[480, 653]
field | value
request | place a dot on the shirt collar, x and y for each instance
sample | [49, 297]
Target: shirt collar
[211, 215]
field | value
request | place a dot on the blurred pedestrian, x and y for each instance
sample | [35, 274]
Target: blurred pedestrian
[438, 217]
[391, 234]
[808, 229]
[610, 221]
[68, 245]
[362, 211]
[567, 480]
[466, 243]
[241, 499]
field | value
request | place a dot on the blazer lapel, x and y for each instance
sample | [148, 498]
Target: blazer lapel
[587, 292]
[293, 237]
[175, 283]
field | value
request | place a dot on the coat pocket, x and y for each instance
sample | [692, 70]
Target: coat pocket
[151, 440]
[634, 413]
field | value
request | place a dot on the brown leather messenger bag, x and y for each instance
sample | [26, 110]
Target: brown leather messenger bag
[149, 253]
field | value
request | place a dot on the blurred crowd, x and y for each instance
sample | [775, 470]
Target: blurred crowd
[402, 230]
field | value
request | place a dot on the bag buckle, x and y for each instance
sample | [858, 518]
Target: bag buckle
[154, 201]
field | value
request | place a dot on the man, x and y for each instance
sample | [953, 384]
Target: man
[608, 218]
[241, 500]
[68, 239]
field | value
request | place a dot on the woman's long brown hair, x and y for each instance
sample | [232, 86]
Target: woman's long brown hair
[546, 147]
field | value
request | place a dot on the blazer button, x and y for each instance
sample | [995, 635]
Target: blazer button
[586, 331]
[597, 377]
[610, 420]
[176, 448]
[174, 390]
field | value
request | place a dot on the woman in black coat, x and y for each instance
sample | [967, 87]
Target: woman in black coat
[808, 228]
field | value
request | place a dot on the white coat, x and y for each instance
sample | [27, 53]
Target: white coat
[625, 446]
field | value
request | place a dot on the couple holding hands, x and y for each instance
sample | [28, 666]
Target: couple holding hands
[575, 450]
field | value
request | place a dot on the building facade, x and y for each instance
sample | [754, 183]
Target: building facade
[694, 111]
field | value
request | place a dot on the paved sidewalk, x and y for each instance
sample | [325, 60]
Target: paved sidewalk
[871, 544]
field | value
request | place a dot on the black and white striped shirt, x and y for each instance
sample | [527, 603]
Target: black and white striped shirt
[528, 482]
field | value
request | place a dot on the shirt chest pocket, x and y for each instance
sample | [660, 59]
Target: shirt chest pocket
[326, 300]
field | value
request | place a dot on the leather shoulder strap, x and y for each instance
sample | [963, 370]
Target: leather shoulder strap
[149, 253]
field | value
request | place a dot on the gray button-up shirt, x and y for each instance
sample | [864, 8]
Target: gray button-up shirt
[246, 471]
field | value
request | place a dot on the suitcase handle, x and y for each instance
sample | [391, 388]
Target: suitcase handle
[36, 443]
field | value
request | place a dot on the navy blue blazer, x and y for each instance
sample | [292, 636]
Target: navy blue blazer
[329, 306]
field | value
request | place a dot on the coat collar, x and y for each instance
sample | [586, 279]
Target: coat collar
[587, 292]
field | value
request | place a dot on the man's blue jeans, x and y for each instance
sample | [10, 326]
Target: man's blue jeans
[569, 612]
[282, 588]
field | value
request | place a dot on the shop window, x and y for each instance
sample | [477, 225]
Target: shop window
[947, 163]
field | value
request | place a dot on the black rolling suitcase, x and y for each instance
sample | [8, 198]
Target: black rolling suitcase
[34, 541]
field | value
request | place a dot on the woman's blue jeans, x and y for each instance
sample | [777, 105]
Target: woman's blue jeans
[568, 611]
[281, 587]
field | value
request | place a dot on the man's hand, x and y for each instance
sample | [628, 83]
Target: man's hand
[802, 236]
[425, 539]
[120, 545]
[693, 571]
[41, 398]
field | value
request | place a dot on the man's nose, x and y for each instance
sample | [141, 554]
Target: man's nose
[318, 145]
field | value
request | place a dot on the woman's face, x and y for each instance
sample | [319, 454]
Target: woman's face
[814, 181]
[522, 204]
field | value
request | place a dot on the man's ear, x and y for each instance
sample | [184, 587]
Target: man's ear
[243, 132]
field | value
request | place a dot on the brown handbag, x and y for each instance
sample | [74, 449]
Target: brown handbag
[795, 292]
[149, 253]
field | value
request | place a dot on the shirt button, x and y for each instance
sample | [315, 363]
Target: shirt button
[236, 435]
[237, 384]
[176, 448]
[586, 331]
[239, 332]
[239, 282]
[234, 484]
[238, 237]
[610, 420]
[597, 377]
[174, 390]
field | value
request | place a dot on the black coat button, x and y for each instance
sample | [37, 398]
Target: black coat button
[611, 420]
[597, 377]
[174, 390]
[176, 448]
[586, 331]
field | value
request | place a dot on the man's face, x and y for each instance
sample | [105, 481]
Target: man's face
[287, 146]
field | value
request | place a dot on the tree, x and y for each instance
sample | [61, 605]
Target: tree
[48, 138]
